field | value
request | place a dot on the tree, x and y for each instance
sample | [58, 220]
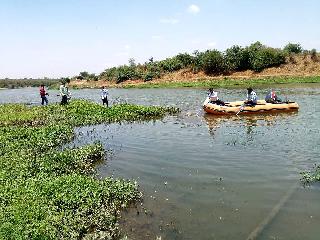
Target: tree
[293, 48]
[237, 58]
[132, 62]
[84, 74]
[65, 80]
[213, 62]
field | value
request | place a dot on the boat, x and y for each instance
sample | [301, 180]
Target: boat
[239, 107]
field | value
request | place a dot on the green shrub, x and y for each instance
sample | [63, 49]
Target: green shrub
[237, 58]
[185, 59]
[212, 62]
[149, 76]
[293, 48]
[266, 57]
[261, 57]
[110, 74]
[171, 64]
[87, 76]
[127, 73]
[197, 61]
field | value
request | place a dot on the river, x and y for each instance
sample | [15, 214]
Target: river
[207, 177]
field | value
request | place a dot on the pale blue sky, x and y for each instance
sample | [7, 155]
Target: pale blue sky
[57, 38]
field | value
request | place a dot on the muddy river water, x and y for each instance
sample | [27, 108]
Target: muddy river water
[207, 177]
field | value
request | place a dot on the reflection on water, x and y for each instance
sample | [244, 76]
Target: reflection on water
[211, 177]
[214, 122]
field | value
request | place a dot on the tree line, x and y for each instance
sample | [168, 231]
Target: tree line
[254, 57]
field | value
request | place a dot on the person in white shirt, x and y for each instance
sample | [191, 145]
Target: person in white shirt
[104, 95]
[251, 98]
[64, 93]
[213, 97]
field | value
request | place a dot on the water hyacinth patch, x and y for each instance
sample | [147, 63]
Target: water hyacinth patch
[47, 193]
[311, 176]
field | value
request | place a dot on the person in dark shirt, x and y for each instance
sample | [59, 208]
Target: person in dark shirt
[272, 97]
[43, 95]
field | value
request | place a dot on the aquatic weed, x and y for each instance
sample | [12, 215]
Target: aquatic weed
[308, 177]
[51, 194]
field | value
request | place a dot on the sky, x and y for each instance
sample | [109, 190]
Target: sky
[60, 38]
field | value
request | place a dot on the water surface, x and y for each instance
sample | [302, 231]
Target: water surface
[207, 177]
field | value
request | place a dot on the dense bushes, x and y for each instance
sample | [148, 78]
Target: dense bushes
[122, 73]
[237, 58]
[293, 48]
[87, 76]
[255, 57]
[266, 57]
[212, 62]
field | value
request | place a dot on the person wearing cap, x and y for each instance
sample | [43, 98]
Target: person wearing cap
[251, 98]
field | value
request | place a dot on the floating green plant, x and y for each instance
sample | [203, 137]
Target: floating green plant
[311, 176]
[47, 193]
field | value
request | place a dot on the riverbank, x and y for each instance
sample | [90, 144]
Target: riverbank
[297, 68]
[217, 82]
[20, 83]
[49, 193]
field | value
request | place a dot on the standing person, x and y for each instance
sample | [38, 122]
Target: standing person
[251, 98]
[43, 95]
[213, 97]
[64, 93]
[104, 95]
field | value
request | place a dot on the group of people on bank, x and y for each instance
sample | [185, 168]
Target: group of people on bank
[251, 99]
[65, 95]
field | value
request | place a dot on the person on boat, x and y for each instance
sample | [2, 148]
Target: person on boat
[213, 97]
[272, 97]
[43, 95]
[251, 98]
[64, 93]
[104, 95]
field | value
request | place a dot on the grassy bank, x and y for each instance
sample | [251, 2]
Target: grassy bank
[228, 82]
[51, 194]
[223, 82]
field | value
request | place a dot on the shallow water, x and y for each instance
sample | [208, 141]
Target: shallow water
[207, 177]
